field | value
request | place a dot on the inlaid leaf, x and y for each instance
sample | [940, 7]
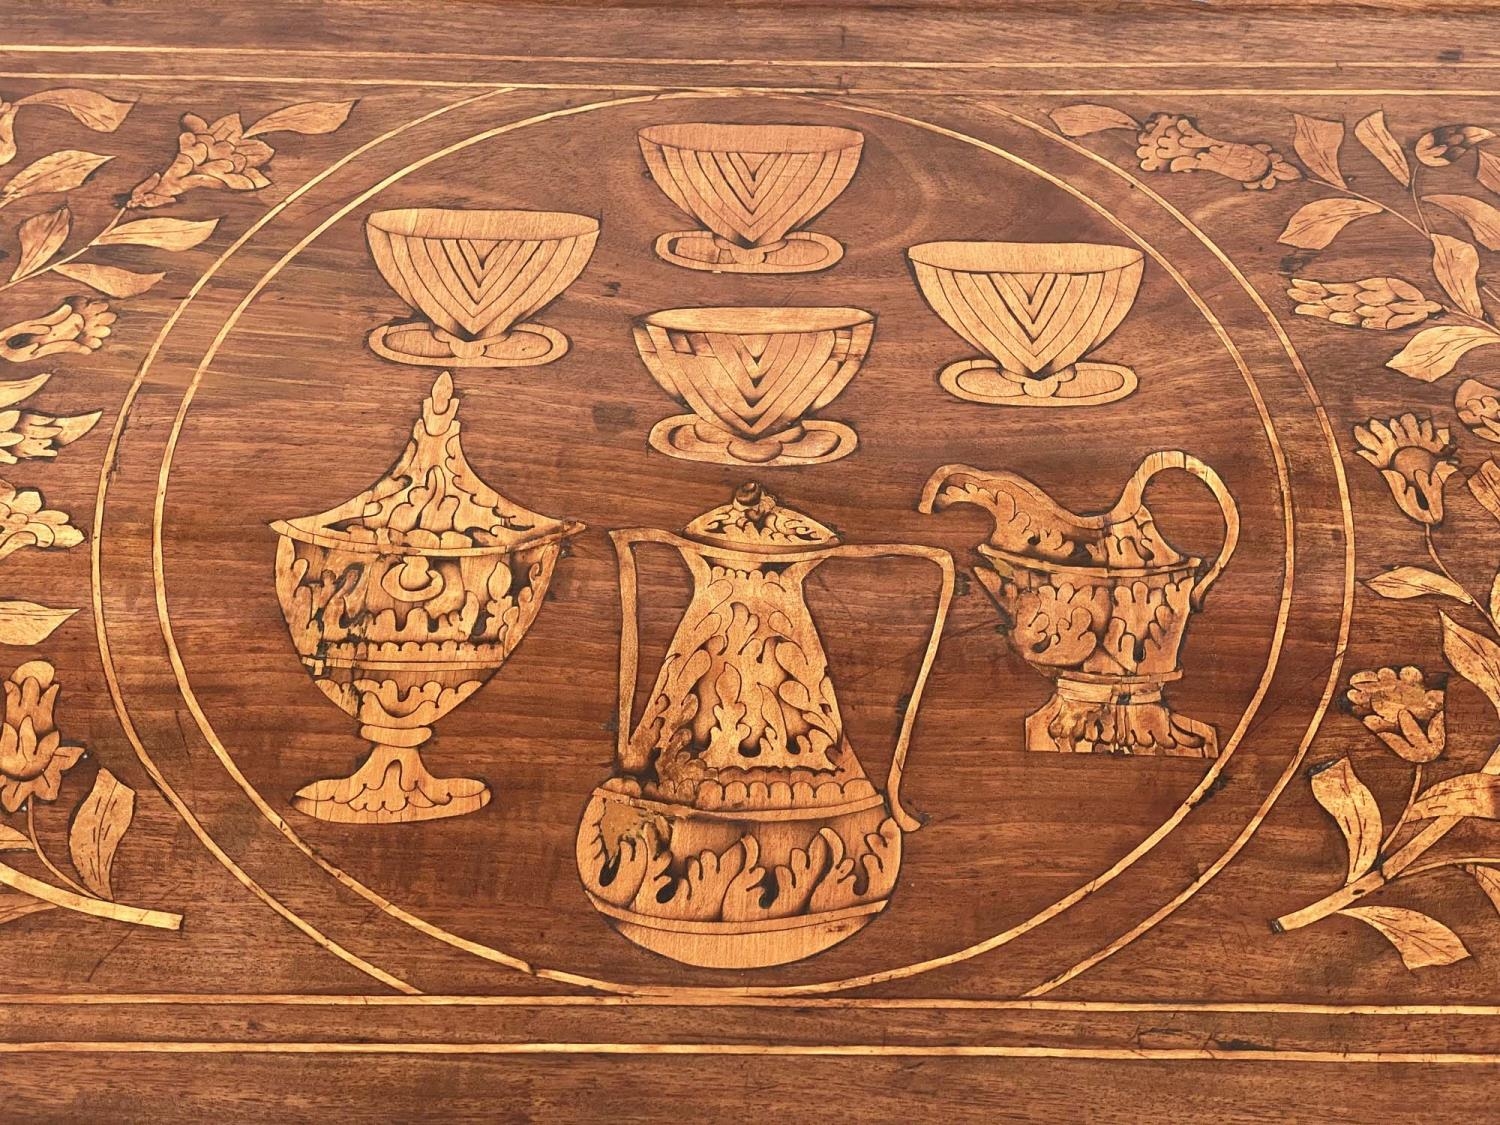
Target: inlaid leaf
[1421, 941]
[1488, 171]
[1317, 143]
[58, 171]
[13, 391]
[1374, 134]
[1468, 794]
[1412, 582]
[1433, 352]
[1483, 219]
[13, 839]
[1456, 264]
[14, 905]
[109, 280]
[304, 117]
[1316, 224]
[1085, 118]
[27, 623]
[164, 234]
[98, 825]
[1484, 483]
[1473, 656]
[41, 236]
[1489, 882]
[1353, 807]
[101, 114]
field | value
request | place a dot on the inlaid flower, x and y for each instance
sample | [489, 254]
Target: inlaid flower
[33, 755]
[1172, 143]
[1381, 303]
[1448, 144]
[24, 522]
[78, 326]
[1414, 457]
[1400, 709]
[209, 156]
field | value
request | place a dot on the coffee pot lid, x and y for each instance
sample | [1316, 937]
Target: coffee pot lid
[753, 521]
[431, 500]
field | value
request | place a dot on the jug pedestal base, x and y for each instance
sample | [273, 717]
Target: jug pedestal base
[392, 786]
[813, 442]
[1091, 718]
[419, 343]
[1083, 384]
[798, 252]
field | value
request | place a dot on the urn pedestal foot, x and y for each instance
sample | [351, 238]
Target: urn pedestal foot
[392, 786]
[425, 345]
[1092, 718]
[811, 442]
[1082, 384]
[798, 252]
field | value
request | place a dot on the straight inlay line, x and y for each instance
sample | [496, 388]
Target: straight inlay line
[839, 88]
[923, 1050]
[849, 64]
[825, 1003]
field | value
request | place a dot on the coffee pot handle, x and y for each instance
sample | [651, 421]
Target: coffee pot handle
[944, 562]
[1176, 459]
[625, 542]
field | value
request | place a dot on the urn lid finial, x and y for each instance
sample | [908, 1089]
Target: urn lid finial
[754, 521]
[431, 501]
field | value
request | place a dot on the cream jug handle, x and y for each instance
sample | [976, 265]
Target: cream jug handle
[944, 562]
[1176, 459]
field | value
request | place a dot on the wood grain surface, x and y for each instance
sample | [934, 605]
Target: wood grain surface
[694, 561]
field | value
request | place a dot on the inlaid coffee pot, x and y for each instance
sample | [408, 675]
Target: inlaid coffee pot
[1099, 603]
[739, 829]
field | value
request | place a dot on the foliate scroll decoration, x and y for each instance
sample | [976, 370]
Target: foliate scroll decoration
[1173, 143]
[34, 757]
[1403, 707]
[1452, 223]
[222, 155]
[34, 754]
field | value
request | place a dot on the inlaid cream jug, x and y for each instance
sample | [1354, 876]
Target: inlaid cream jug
[1098, 603]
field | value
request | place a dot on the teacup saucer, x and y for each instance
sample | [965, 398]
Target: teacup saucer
[813, 442]
[1083, 384]
[417, 342]
[798, 252]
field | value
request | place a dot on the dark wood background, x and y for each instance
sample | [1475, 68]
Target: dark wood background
[295, 414]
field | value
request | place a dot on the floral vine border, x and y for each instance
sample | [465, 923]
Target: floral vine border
[225, 155]
[1402, 707]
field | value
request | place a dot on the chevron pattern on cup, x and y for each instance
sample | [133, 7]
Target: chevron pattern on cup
[751, 184]
[476, 273]
[754, 371]
[1035, 308]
